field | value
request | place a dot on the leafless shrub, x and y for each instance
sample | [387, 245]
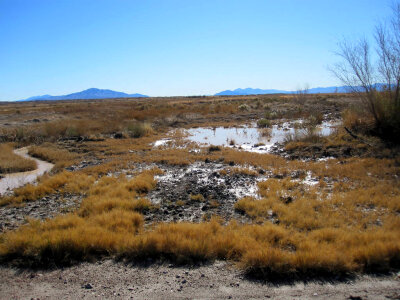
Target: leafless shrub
[302, 94]
[361, 75]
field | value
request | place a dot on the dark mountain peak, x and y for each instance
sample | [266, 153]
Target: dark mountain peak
[91, 93]
[94, 90]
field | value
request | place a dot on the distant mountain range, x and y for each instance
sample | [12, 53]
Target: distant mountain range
[92, 93]
[317, 90]
[250, 91]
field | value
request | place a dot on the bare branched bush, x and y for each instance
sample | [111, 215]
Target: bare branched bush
[362, 75]
[302, 94]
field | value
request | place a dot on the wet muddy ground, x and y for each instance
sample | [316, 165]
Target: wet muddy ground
[191, 193]
[196, 192]
[11, 217]
[249, 137]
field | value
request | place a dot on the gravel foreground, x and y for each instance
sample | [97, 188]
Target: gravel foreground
[110, 280]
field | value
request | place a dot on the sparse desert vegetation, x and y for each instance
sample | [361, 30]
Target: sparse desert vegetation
[306, 217]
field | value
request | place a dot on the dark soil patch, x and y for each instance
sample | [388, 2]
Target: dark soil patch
[197, 192]
[11, 217]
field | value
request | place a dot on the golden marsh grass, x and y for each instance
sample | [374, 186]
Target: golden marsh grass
[344, 220]
[11, 163]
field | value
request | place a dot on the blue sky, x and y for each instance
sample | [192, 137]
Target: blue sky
[165, 48]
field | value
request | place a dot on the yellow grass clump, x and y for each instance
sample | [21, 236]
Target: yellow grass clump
[263, 250]
[48, 152]
[61, 182]
[11, 163]
[197, 198]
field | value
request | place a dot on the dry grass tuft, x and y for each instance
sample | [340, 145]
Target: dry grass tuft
[263, 123]
[137, 130]
[48, 152]
[243, 171]
[197, 198]
[262, 250]
[11, 163]
[62, 182]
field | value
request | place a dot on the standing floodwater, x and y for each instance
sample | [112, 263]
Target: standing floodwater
[251, 138]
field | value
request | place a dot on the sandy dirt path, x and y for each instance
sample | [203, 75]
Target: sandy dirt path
[110, 280]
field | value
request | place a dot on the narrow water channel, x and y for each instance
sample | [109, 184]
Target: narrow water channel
[15, 180]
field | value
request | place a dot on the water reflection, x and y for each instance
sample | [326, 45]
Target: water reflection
[250, 137]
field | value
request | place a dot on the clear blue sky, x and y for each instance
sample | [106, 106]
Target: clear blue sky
[165, 48]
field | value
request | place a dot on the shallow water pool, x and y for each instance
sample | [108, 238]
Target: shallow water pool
[251, 138]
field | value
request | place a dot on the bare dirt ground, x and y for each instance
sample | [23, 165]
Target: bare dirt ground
[109, 280]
